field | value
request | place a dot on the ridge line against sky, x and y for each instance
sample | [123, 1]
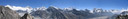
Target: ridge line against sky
[28, 7]
[78, 4]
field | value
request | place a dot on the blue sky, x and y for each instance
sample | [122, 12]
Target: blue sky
[78, 4]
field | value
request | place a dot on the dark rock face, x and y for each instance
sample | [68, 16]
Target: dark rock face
[41, 13]
[6, 13]
[123, 15]
[26, 16]
[50, 13]
[55, 13]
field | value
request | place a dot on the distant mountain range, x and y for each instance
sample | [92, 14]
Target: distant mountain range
[67, 13]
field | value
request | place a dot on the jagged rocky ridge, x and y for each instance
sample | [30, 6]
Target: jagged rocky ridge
[56, 13]
[27, 16]
[123, 15]
[7, 13]
[70, 13]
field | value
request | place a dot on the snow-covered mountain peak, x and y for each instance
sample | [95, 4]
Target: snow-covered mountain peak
[97, 10]
[43, 8]
[68, 8]
[124, 10]
[40, 8]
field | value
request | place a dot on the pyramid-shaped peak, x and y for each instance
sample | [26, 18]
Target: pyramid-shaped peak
[52, 7]
[97, 8]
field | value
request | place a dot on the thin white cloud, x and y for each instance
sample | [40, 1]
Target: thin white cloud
[16, 7]
[19, 8]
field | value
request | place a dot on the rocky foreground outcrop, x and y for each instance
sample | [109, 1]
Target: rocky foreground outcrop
[26, 16]
[7, 13]
[123, 15]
